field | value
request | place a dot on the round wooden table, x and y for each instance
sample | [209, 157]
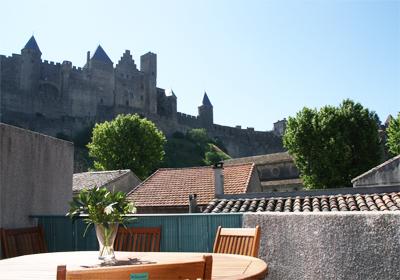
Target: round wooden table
[44, 266]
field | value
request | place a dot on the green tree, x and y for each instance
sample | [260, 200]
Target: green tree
[333, 145]
[198, 136]
[214, 155]
[393, 134]
[129, 142]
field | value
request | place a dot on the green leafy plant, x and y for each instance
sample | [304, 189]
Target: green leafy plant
[101, 206]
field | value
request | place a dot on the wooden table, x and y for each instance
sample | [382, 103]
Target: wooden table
[44, 266]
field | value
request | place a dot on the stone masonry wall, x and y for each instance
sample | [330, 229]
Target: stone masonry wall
[35, 176]
[334, 246]
[62, 99]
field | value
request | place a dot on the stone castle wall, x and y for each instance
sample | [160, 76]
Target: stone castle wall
[62, 99]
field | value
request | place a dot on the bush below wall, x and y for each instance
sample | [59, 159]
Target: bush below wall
[329, 245]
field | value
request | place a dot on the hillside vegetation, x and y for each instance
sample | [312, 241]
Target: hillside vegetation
[194, 148]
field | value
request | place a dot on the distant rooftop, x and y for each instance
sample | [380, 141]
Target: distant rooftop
[206, 100]
[101, 55]
[94, 179]
[262, 159]
[388, 166]
[32, 45]
[172, 186]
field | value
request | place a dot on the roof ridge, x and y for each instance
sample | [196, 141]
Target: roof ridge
[104, 171]
[239, 164]
[183, 168]
[307, 196]
[378, 167]
[249, 176]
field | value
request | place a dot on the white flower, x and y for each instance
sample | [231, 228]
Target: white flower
[108, 209]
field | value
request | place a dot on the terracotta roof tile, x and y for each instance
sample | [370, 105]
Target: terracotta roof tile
[324, 203]
[172, 186]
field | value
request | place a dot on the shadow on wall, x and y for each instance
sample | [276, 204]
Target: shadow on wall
[35, 175]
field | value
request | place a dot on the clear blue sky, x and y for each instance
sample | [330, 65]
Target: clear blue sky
[259, 61]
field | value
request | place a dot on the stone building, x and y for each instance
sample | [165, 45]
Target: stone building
[60, 99]
[385, 174]
[277, 172]
[113, 180]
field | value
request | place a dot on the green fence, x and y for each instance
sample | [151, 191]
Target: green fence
[179, 233]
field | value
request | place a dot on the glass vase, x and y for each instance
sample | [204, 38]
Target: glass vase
[106, 234]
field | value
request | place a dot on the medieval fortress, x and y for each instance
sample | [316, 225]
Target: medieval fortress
[61, 99]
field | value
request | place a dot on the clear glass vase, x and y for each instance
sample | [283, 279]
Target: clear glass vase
[106, 234]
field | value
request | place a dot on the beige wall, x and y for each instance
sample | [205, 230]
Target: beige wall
[334, 246]
[35, 176]
[254, 184]
[385, 174]
[125, 183]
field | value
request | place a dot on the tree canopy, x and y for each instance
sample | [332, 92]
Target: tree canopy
[127, 142]
[393, 135]
[332, 145]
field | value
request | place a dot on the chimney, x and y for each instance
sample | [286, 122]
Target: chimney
[218, 178]
[87, 58]
[192, 203]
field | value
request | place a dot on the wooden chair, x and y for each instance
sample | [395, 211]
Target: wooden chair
[138, 239]
[241, 241]
[191, 269]
[22, 241]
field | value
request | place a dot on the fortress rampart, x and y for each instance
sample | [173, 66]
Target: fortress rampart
[63, 99]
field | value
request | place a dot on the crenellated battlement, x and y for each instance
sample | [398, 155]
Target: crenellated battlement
[67, 99]
[77, 69]
[237, 130]
[186, 119]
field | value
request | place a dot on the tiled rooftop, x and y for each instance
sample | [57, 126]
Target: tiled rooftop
[96, 179]
[171, 187]
[349, 202]
[262, 159]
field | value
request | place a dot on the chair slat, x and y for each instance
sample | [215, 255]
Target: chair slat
[23, 241]
[242, 241]
[138, 239]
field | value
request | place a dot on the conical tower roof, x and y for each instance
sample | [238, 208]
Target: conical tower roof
[206, 101]
[32, 45]
[101, 55]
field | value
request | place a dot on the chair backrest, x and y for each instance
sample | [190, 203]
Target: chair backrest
[138, 239]
[22, 241]
[240, 241]
[191, 269]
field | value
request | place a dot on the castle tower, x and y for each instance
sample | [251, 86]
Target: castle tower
[206, 112]
[30, 67]
[100, 60]
[126, 65]
[148, 65]
[129, 83]
[101, 72]
[172, 101]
